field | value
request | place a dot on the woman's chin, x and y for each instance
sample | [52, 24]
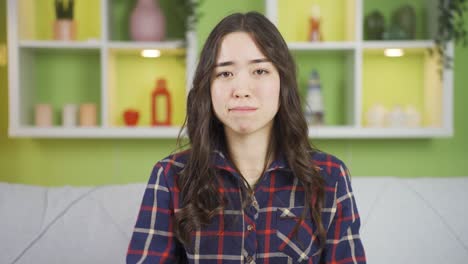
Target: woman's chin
[243, 129]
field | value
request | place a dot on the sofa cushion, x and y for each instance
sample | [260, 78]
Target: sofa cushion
[419, 220]
[67, 224]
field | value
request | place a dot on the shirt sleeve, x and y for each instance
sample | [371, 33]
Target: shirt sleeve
[153, 239]
[343, 241]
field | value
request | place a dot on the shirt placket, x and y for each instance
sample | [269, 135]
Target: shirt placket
[254, 220]
[251, 213]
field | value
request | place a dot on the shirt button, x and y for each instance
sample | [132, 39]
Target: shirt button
[255, 204]
[249, 259]
[250, 227]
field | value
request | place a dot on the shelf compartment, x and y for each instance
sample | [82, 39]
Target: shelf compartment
[119, 19]
[410, 80]
[337, 82]
[337, 24]
[425, 10]
[58, 77]
[35, 19]
[132, 78]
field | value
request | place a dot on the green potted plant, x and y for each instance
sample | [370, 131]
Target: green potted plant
[64, 24]
[188, 12]
[452, 20]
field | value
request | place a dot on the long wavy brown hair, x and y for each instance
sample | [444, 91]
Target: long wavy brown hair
[200, 199]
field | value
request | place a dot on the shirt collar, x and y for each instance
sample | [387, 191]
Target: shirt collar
[222, 162]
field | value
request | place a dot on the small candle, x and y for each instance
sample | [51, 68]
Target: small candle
[43, 117]
[69, 114]
[88, 114]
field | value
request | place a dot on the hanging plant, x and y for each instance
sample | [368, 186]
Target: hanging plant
[188, 12]
[451, 27]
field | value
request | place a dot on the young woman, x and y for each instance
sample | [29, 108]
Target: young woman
[250, 189]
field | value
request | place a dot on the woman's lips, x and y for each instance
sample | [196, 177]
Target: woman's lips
[243, 109]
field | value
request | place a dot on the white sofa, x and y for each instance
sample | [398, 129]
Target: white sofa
[403, 221]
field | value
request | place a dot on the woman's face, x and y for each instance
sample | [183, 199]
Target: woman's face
[245, 86]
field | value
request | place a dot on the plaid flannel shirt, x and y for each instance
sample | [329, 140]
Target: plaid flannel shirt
[261, 233]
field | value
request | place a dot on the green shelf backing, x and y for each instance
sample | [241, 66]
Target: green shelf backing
[65, 77]
[212, 11]
[334, 80]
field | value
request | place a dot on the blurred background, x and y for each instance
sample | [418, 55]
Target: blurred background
[93, 93]
[358, 87]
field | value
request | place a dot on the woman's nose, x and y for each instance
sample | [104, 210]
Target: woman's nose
[241, 93]
[242, 87]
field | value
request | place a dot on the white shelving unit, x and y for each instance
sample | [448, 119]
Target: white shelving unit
[146, 45]
[322, 46]
[99, 132]
[397, 44]
[354, 127]
[59, 45]
[21, 55]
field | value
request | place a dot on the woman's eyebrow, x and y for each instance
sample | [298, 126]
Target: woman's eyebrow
[259, 60]
[227, 63]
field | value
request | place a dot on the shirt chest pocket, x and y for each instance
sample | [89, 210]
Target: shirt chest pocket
[302, 245]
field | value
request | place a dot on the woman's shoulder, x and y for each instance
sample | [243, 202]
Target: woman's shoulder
[332, 168]
[174, 162]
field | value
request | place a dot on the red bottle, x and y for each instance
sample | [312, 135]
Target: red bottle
[161, 91]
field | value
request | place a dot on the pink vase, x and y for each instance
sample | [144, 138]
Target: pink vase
[64, 29]
[147, 21]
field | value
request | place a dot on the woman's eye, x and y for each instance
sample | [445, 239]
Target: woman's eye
[261, 72]
[224, 74]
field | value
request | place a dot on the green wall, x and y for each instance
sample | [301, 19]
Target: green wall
[115, 161]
